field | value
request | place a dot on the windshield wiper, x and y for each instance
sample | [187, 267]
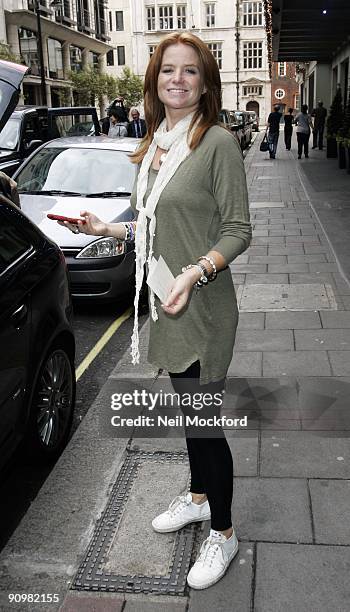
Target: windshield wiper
[109, 194]
[50, 192]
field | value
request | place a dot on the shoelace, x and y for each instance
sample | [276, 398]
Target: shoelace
[209, 550]
[179, 501]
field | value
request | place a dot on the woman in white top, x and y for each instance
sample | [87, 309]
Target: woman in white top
[303, 122]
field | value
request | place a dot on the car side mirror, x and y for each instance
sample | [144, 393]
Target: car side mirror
[32, 145]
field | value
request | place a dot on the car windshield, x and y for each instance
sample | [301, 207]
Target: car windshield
[9, 134]
[78, 170]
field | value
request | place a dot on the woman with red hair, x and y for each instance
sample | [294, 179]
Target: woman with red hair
[191, 200]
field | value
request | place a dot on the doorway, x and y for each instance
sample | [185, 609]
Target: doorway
[252, 105]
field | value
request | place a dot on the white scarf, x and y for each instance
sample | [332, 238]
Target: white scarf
[176, 143]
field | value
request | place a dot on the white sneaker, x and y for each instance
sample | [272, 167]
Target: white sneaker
[215, 556]
[181, 511]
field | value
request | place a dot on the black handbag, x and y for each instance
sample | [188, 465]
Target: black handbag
[264, 145]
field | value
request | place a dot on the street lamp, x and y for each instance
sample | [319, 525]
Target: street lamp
[41, 55]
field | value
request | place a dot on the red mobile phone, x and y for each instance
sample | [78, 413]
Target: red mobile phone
[73, 220]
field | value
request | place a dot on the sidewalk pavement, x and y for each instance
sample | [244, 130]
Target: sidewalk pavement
[290, 375]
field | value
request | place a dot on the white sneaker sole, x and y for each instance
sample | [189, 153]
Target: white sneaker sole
[206, 517]
[217, 578]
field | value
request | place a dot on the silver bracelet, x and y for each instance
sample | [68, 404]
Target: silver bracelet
[203, 279]
[212, 276]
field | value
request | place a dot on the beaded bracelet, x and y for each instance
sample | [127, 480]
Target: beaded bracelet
[203, 279]
[212, 276]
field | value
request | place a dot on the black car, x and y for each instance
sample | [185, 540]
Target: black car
[246, 123]
[30, 126]
[37, 379]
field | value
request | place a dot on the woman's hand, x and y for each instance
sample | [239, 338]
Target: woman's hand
[93, 226]
[180, 292]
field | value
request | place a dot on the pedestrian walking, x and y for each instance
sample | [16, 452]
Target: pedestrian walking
[273, 128]
[117, 127]
[319, 114]
[303, 122]
[198, 232]
[137, 126]
[288, 128]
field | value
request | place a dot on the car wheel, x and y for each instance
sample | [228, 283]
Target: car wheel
[52, 405]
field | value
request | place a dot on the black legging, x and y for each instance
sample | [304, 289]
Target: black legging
[210, 458]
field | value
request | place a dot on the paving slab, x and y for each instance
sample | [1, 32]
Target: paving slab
[149, 603]
[292, 578]
[296, 363]
[261, 279]
[323, 267]
[291, 231]
[251, 320]
[244, 447]
[330, 501]
[340, 362]
[92, 602]
[271, 509]
[282, 296]
[268, 259]
[245, 364]
[323, 340]
[275, 249]
[304, 454]
[248, 268]
[324, 403]
[316, 257]
[287, 268]
[292, 320]
[262, 240]
[264, 340]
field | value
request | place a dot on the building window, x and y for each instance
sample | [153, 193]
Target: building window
[282, 69]
[54, 51]
[110, 58]
[151, 49]
[210, 15]
[151, 18]
[216, 49]
[252, 90]
[181, 17]
[252, 55]
[252, 13]
[279, 94]
[166, 21]
[110, 21]
[297, 101]
[119, 21]
[121, 56]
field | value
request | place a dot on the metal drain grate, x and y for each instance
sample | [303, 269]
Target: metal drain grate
[92, 574]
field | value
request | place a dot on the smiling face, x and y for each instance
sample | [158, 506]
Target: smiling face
[180, 81]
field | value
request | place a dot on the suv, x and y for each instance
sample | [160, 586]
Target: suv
[30, 126]
[229, 119]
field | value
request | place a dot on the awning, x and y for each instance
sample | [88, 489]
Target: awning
[306, 30]
[52, 29]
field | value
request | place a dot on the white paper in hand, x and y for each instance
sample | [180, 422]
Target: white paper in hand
[160, 278]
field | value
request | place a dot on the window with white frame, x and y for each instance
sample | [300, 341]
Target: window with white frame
[297, 101]
[216, 49]
[119, 21]
[210, 15]
[252, 14]
[252, 55]
[181, 17]
[151, 18]
[166, 19]
[151, 49]
[279, 94]
[282, 69]
[252, 90]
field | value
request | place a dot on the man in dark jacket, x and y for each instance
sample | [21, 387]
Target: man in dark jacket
[319, 115]
[137, 127]
[273, 126]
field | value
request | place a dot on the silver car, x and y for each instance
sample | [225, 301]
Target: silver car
[68, 175]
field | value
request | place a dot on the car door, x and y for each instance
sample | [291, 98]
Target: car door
[15, 320]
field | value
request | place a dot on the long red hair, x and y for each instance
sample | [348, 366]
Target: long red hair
[209, 103]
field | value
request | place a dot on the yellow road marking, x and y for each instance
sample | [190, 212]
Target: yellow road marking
[102, 343]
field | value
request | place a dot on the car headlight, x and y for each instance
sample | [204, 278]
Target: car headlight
[104, 247]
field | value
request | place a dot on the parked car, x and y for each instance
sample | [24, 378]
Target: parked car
[68, 175]
[229, 119]
[255, 120]
[30, 126]
[246, 125]
[37, 379]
